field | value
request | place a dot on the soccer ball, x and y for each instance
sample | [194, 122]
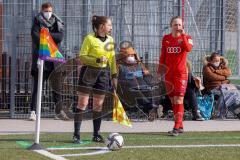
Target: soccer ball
[114, 141]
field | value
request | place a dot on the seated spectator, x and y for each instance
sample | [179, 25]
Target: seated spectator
[229, 100]
[190, 98]
[136, 86]
[167, 107]
[215, 72]
[192, 91]
[226, 95]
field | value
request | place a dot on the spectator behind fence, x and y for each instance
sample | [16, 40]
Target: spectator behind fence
[193, 89]
[215, 72]
[47, 19]
[136, 84]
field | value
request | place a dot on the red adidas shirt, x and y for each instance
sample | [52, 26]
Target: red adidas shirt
[174, 53]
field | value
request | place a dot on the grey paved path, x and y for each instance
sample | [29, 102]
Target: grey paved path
[48, 125]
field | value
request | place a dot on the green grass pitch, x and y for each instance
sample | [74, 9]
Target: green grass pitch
[13, 147]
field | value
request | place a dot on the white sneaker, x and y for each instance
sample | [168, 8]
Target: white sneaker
[62, 115]
[32, 116]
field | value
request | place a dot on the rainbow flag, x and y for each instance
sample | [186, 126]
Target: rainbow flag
[119, 114]
[48, 49]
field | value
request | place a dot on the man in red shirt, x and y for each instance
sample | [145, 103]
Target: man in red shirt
[175, 47]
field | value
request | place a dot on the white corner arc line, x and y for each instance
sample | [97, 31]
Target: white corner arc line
[50, 155]
[103, 151]
[154, 146]
[77, 148]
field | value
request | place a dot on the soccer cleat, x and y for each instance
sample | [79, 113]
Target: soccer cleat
[76, 139]
[32, 116]
[238, 115]
[174, 132]
[164, 116]
[62, 115]
[153, 114]
[180, 130]
[98, 139]
[170, 115]
[198, 117]
[56, 117]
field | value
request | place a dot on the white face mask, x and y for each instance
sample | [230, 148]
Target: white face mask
[131, 59]
[47, 15]
[216, 64]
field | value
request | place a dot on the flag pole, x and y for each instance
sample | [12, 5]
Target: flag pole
[36, 145]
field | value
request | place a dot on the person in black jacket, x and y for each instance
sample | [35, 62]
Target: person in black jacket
[192, 91]
[190, 98]
[47, 19]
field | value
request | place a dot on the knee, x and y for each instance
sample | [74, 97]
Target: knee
[82, 104]
[97, 106]
[178, 100]
[98, 103]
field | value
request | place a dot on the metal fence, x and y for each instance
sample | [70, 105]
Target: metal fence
[212, 24]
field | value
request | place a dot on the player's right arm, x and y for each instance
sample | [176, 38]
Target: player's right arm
[84, 53]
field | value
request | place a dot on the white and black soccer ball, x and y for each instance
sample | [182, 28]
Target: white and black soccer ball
[114, 141]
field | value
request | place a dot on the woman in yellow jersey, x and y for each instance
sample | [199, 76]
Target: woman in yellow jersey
[99, 65]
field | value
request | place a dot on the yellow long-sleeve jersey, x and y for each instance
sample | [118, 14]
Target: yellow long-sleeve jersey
[93, 49]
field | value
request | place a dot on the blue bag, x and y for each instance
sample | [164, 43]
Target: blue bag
[205, 105]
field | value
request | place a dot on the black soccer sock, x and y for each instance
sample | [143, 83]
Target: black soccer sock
[97, 118]
[77, 121]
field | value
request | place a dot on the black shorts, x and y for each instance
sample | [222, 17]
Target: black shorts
[93, 79]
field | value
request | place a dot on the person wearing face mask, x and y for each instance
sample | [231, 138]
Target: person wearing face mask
[135, 83]
[215, 72]
[45, 19]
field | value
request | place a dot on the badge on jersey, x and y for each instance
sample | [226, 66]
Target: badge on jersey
[190, 41]
[180, 41]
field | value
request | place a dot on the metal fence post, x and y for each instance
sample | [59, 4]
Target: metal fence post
[238, 38]
[33, 5]
[223, 20]
[13, 65]
[85, 18]
[39, 3]
[217, 29]
[121, 20]
[211, 27]
[133, 23]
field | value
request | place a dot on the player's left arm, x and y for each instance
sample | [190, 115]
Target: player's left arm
[187, 42]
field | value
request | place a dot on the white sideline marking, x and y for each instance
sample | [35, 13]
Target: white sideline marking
[186, 146]
[50, 155]
[153, 146]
